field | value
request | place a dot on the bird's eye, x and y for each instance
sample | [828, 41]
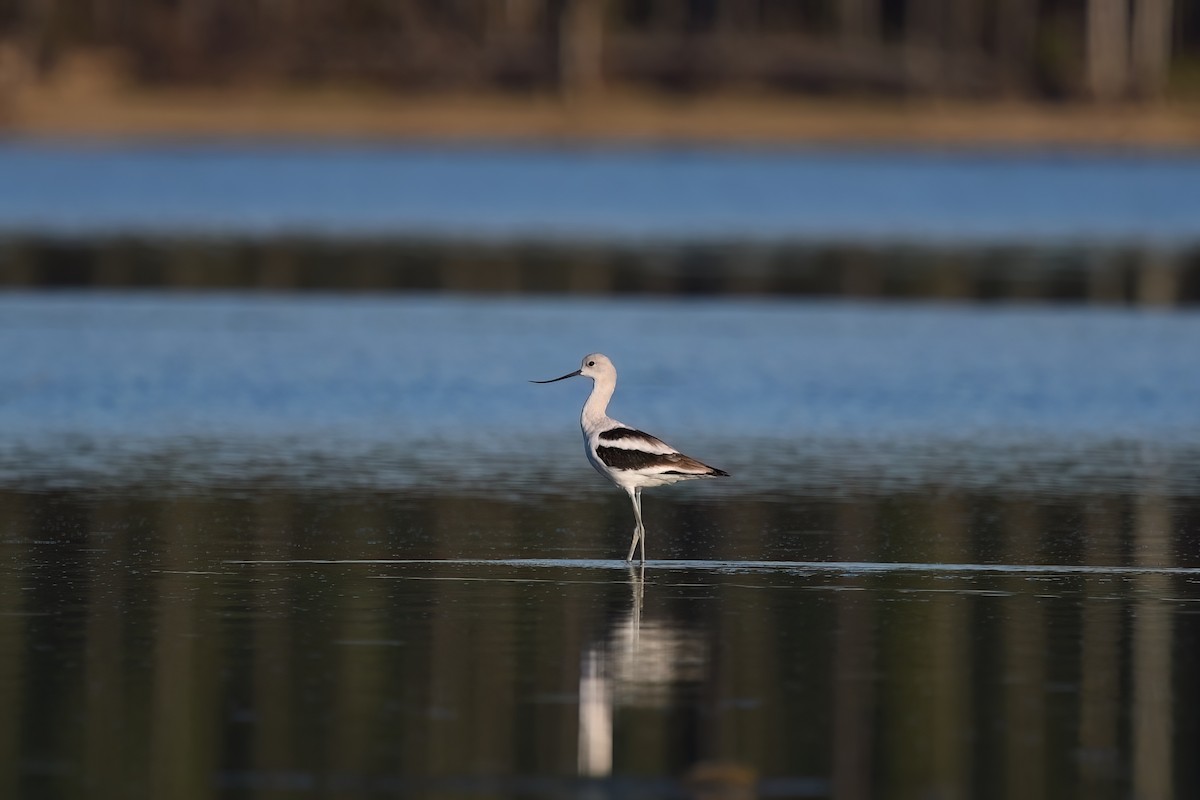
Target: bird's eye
[591, 363]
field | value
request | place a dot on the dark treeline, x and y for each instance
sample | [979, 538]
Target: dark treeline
[1090, 274]
[1104, 50]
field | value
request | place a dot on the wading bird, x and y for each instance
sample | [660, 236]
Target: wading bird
[631, 459]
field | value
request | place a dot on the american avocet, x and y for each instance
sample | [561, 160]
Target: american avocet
[631, 459]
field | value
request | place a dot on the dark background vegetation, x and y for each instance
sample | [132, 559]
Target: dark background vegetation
[1105, 50]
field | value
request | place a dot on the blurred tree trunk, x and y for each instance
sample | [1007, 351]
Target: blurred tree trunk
[37, 18]
[859, 28]
[737, 15]
[511, 19]
[923, 44]
[965, 23]
[581, 47]
[521, 15]
[105, 20]
[1107, 49]
[1016, 31]
[670, 15]
[944, 45]
[1151, 46]
[858, 21]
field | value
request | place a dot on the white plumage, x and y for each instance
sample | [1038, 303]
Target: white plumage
[631, 459]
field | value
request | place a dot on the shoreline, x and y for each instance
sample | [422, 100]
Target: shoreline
[344, 115]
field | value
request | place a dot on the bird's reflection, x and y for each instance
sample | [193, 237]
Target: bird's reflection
[635, 663]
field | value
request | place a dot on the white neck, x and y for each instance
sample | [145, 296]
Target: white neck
[594, 410]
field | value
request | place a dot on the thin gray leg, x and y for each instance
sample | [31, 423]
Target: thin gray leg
[638, 531]
[637, 501]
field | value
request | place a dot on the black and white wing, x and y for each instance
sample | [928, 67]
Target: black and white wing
[622, 448]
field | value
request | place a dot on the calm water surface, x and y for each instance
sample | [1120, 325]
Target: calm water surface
[603, 193]
[271, 546]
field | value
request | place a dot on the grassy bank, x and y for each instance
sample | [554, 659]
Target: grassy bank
[84, 105]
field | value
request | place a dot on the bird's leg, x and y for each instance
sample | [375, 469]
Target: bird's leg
[637, 498]
[639, 532]
[637, 502]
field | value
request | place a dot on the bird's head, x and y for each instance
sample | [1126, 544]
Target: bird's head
[594, 366]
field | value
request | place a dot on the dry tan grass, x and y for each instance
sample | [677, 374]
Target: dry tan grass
[88, 101]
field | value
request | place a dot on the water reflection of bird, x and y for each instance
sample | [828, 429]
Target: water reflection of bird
[631, 459]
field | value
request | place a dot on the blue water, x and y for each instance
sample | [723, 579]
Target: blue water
[623, 193]
[411, 390]
[225, 516]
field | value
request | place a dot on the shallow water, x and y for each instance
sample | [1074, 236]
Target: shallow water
[322, 644]
[275, 546]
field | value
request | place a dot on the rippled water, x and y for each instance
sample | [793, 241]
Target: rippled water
[406, 391]
[274, 546]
